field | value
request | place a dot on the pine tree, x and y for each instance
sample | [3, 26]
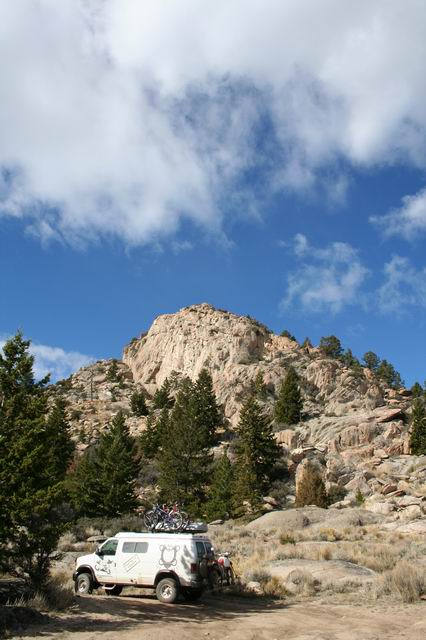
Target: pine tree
[162, 398]
[104, 480]
[219, 504]
[289, 405]
[417, 390]
[311, 488]
[331, 347]
[258, 387]
[184, 457]
[61, 446]
[386, 372]
[245, 487]
[150, 439]
[350, 360]
[418, 428]
[138, 404]
[371, 360]
[113, 374]
[32, 489]
[307, 344]
[256, 445]
[207, 410]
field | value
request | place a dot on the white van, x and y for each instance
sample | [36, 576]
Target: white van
[170, 563]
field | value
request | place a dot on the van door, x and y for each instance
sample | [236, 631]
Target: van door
[105, 563]
[132, 563]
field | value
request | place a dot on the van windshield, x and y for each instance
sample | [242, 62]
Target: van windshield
[109, 548]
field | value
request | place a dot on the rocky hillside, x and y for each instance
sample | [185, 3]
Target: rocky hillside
[354, 426]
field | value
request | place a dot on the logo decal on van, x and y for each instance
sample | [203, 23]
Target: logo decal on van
[168, 555]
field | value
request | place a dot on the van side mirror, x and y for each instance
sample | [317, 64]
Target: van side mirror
[98, 551]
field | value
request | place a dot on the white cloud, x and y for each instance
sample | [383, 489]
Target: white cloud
[124, 118]
[407, 221]
[54, 360]
[327, 281]
[404, 287]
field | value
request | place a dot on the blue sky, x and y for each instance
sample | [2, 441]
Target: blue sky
[152, 158]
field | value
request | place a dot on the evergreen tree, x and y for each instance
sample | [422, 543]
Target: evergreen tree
[104, 481]
[311, 488]
[61, 446]
[219, 504]
[184, 457]
[150, 439]
[32, 490]
[162, 398]
[417, 390]
[371, 360]
[331, 347]
[245, 487]
[138, 404]
[207, 410]
[113, 373]
[350, 360]
[307, 344]
[386, 372]
[289, 404]
[418, 428]
[258, 387]
[256, 445]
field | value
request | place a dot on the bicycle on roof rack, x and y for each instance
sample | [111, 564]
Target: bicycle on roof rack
[161, 518]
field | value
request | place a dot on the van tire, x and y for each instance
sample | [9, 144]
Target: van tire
[167, 590]
[115, 591]
[191, 595]
[84, 583]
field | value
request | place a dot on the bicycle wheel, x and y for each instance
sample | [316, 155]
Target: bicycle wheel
[175, 521]
[150, 519]
[185, 519]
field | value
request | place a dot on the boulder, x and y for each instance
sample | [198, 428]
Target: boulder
[288, 437]
[387, 415]
[382, 508]
[270, 500]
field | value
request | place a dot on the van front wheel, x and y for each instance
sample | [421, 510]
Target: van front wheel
[166, 590]
[84, 584]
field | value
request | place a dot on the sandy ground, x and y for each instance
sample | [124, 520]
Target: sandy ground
[144, 618]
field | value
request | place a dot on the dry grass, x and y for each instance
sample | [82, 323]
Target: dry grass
[391, 554]
[405, 580]
[301, 582]
[58, 595]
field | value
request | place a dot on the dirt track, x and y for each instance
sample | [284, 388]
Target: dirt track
[143, 618]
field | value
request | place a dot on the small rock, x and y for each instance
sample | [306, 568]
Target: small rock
[389, 488]
[254, 586]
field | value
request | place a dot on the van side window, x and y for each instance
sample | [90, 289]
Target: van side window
[135, 547]
[109, 548]
[209, 550]
[201, 552]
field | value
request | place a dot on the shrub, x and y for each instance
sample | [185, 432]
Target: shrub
[405, 580]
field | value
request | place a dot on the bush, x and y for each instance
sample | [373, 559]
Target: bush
[405, 580]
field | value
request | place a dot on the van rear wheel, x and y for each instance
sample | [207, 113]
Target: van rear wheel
[166, 590]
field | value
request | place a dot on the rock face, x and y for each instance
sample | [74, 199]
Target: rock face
[353, 424]
[235, 349]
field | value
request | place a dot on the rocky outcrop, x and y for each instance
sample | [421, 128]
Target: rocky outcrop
[353, 425]
[235, 349]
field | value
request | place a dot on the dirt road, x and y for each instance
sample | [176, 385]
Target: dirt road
[143, 618]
